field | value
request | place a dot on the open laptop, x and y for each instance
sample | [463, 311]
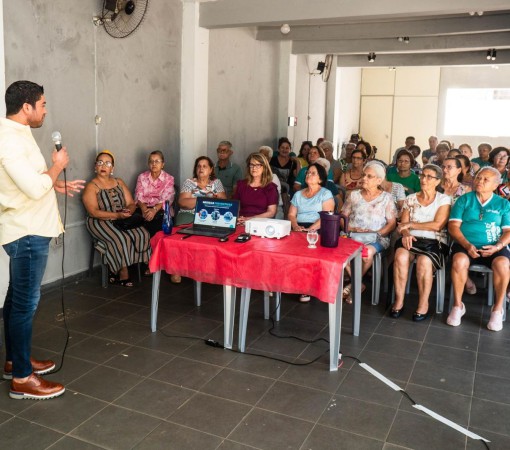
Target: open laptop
[214, 217]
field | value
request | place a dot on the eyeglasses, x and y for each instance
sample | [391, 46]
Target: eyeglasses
[155, 161]
[501, 157]
[255, 166]
[222, 150]
[367, 175]
[357, 157]
[428, 177]
[104, 163]
[311, 173]
[449, 167]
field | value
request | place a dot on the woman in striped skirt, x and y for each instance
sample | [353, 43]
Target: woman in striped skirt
[107, 199]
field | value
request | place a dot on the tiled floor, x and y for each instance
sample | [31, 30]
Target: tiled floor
[130, 388]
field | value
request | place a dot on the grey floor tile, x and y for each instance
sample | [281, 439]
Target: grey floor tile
[105, 383]
[143, 317]
[452, 337]
[140, 361]
[404, 348]
[230, 445]
[401, 329]
[90, 323]
[97, 350]
[490, 416]
[497, 441]
[315, 376]
[116, 428]
[271, 431]
[354, 415]
[421, 432]
[239, 386]
[364, 386]
[391, 366]
[491, 388]
[169, 436]
[494, 345]
[455, 407]
[69, 443]
[155, 398]
[208, 354]
[119, 310]
[325, 438]
[258, 365]
[186, 373]
[72, 369]
[127, 332]
[444, 378]
[210, 414]
[448, 357]
[55, 338]
[4, 417]
[493, 365]
[295, 401]
[19, 434]
[172, 343]
[193, 326]
[65, 412]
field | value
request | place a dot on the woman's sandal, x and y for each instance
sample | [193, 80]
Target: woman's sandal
[346, 293]
[125, 283]
[112, 278]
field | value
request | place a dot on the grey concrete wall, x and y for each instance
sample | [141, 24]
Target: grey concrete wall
[243, 92]
[138, 93]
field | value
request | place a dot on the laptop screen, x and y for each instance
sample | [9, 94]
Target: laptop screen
[215, 212]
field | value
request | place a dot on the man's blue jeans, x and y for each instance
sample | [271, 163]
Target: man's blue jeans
[28, 257]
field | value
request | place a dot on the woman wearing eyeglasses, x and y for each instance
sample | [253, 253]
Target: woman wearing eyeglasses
[153, 188]
[423, 229]
[372, 216]
[257, 194]
[403, 174]
[351, 179]
[499, 158]
[107, 199]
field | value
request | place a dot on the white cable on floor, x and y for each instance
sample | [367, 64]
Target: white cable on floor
[427, 411]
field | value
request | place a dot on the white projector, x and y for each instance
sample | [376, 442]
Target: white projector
[270, 228]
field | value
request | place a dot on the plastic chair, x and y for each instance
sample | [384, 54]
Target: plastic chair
[379, 265]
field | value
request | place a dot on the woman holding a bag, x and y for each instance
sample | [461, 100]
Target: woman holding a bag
[111, 221]
[423, 228]
[372, 216]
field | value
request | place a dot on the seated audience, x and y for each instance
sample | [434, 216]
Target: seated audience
[338, 195]
[268, 154]
[228, 173]
[308, 202]
[467, 170]
[284, 165]
[451, 184]
[153, 188]
[442, 150]
[467, 151]
[484, 150]
[107, 199]
[313, 155]
[370, 210]
[480, 226]
[352, 178]
[303, 153]
[423, 221]
[415, 151]
[335, 166]
[257, 194]
[431, 151]
[203, 184]
[345, 161]
[403, 174]
[498, 157]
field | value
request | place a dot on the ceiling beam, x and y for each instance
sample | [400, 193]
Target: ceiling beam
[241, 13]
[425, 59]
[459, 42]
[424, 27]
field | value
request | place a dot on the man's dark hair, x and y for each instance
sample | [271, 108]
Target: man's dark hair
[19, 93]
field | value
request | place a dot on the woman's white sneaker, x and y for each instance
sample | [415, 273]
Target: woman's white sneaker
[496, 321]
[455, 315]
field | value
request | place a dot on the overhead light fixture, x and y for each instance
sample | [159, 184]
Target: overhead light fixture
[494, 66]
[406, 40]
[401, 38]
[392, 68]
[472, 13]
[371, 57]
[491, 54]
[285, 28]
[480, 13]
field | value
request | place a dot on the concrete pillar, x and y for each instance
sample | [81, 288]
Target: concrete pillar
[286, 89]
[333, 107]
[194, 89]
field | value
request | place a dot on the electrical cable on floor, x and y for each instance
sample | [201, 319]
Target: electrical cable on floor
[62, 301]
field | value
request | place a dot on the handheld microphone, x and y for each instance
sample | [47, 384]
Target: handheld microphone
[57, 139]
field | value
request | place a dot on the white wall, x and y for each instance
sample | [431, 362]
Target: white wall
[472, 77]
[243, 92]
[349, 110]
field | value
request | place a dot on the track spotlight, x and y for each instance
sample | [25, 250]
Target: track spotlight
[371, 57]
[406, 40]
[491, 54]
[400, 39]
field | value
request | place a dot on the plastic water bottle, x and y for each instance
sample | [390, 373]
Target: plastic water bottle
[167, 219]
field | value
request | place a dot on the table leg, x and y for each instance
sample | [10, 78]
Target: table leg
[244, 309]
[155, 299]
[198, 292]
[229, 309]
[335, 325]
[356, 292]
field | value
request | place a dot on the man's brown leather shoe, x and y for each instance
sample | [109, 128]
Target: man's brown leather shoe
[39, 367]
[35, 388]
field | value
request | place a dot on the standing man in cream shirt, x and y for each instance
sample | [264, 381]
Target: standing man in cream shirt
[29, 218]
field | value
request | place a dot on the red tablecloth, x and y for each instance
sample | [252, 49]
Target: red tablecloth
[279, 265]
